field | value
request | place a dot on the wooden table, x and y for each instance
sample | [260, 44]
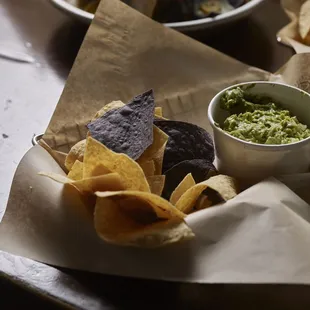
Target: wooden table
[28, 95]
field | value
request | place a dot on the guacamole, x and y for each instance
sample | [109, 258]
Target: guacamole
[259, 119]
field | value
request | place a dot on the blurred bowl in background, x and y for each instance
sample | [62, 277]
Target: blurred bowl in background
[70, 7]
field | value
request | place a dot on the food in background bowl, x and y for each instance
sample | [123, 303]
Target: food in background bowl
[167, 11]
[88, 5]
[178, 10]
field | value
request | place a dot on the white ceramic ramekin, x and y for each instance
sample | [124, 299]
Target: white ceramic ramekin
[251, 162]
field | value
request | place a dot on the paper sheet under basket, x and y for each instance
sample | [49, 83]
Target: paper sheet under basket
[261, 236]
[254, 238]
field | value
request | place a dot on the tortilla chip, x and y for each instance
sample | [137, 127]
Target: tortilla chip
[201, 170]
[158, 111]
[306, 40]
[159, 159]
[148, 167]
[119, 224]
[203, 202]
[76, 172]
[185, 185]
[159, 140]
[129, 129]
[162, 234]
[224, 185]
[186, 142]
[76, 153]
[130, 172]
[56, 177]
[119, 104]
[304, 20]
[110, 106]
[108, 182]
[156, 183]
[163, 208]
[186, 202]
[155, 152]
[100, 170]
[59, 157]
[213, 197]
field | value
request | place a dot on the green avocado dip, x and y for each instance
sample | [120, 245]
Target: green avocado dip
[258, 119]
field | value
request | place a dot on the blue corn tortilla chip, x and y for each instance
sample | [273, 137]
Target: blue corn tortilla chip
[201, 169]
[186, 142]
[128, 129]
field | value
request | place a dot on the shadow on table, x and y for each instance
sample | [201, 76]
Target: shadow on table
[128, 293]
[16, 297]
[64, 46]
[243, 40]
[55, 38]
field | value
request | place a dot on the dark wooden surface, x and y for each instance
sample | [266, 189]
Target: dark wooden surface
[28, 95]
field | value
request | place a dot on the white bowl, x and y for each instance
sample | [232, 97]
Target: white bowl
[69, 6]
[251, 162]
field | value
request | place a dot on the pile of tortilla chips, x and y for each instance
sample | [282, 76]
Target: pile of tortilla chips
[304, 22]
[145, 172]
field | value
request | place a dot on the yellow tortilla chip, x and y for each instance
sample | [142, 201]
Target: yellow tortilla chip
[59, 157]
[76, 153]
[148, 167]
[163, 208]
[110, 106]
[56, 177]
[76, 172]
[184, 185]
[157, 183]
[158, 111]
[224, 185]
[202, 202]
[123, 223]
[138, 219]
[306, 40]
[100, 170]
[186, 202]
[107, 182]
[304, 19]
[130, 172]
[159, 139]
[159, 158]
[85, 188]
